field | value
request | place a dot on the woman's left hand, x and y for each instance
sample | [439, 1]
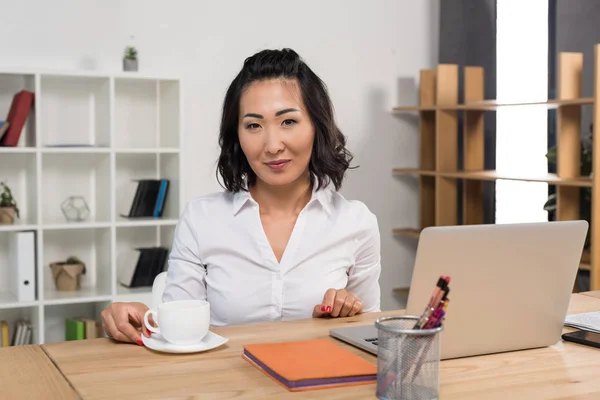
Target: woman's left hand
[338, 303]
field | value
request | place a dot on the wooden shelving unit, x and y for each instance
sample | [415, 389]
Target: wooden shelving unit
[438, 171]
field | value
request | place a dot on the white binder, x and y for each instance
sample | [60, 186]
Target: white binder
[22, 265]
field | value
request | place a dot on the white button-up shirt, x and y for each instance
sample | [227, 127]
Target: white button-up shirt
[221, 254]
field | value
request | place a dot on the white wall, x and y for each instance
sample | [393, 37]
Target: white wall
[364, 51]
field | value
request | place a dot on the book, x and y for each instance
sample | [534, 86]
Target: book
[22, 333]
[91, 331]
[148, 198]
[310, 364]
[3, 128]
[74, 329]
[586, 321]
[21, 271]
[18, 114]
[140, 266]
[5, 338]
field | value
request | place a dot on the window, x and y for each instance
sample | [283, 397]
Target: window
[521, 132]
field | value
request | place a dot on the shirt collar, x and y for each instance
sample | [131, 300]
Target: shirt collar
[323, 196]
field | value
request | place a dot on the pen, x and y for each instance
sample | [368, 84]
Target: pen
[432, 317]
[438, 291]
[440, 317]
[441, 284]
[436, 315]
[439, 300]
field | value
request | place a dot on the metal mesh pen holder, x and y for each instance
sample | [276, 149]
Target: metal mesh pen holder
[408, 360]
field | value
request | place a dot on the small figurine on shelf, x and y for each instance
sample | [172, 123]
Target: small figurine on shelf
[75, 209]
[67, 274]
[8, 206]
[130, 59]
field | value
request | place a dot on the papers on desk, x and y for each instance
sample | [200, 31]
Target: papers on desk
[586, 321]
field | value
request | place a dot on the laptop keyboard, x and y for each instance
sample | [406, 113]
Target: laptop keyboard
[374, 341]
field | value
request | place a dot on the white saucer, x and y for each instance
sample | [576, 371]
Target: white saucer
[158, 343]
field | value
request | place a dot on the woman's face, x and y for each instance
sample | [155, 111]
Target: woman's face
[275, 131]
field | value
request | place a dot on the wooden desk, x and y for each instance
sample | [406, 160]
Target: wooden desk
[101, 369]
[595, 293]
[26, 372]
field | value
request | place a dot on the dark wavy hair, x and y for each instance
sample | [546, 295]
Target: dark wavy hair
[329, 159]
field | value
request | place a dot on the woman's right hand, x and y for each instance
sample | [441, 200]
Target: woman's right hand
[125, 322]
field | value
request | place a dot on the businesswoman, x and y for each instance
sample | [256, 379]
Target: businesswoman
[279, 242]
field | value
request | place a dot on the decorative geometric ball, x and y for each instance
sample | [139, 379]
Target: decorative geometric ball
[75, 208]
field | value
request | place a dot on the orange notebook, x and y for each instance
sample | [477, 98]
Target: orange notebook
[310, 364]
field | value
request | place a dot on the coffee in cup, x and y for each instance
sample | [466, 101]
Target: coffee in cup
[181, 322]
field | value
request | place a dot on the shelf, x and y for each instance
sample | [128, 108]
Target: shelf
[169, 168]
[75, 110]
[403, 291]
[19, 225]
[129, 169]
[75, 150]
[10, 84]
[407, 232]
[93, 247]
[147, 112]
[136, 113]
[550, 104]
[132, 167]
[7, 300]
[158, 150]
[169, 100]
[133, 222]
[490, 105]
[89, 295]
[18, 150]
[125, 291]
[76, 225]
[19, 172]
[129, 238]
[415, 108]
[413, 171]
[139, 294]
[84, 175]
[55, 315]
[549, 178]
[31, 314]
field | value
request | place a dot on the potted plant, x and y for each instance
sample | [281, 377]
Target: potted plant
[130, 59]
[67, 274]
[8, 206]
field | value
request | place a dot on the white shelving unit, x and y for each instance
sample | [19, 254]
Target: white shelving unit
[120, 127]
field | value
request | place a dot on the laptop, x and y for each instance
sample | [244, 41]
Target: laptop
[510, 285]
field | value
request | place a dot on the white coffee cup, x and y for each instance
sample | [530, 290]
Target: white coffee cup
[181, 322]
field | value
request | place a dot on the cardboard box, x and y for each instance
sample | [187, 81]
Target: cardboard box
[67, 275]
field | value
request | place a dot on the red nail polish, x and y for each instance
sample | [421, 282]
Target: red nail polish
[328, 308]
[139, 342]
[147, 331]
[322, 308]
